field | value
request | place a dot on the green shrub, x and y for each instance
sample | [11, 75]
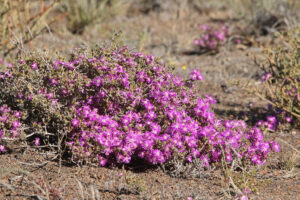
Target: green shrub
[282, 77]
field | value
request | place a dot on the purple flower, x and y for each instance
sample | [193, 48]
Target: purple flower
[211, 39]
[98, 81]
[238, 41]
[264, 147]
[53, 81]
[2, 148]
[211, 44]
[151, 115]
[9, 65]
[157, 156]
[126, 159]
[8, 74]
[266, 77]
[243, 197]
[204, 27]
[228, 157]
[155, 129]
[126, 120]
[16, 124]
[275, 146]
[255, 159]
[37, 141]
[196, 42]
[34, 66]
[196, 75]
[271, 119]
[210, 99]
[17, 114]
[205, 160]
[220, 35]
[103, 162]
[288, 119]
[75, 122]
[206, 37]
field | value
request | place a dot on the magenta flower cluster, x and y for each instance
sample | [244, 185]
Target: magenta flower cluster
[271, 123]
[121, 105]
[211, 38]
[7, 120]
[10, 125]
[151, 114]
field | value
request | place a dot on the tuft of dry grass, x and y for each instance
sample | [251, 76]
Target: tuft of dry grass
[81, 14]
[21, 21]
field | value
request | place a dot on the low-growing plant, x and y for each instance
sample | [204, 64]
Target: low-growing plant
[211, 38]
[111, 105]
[134, 183]
[244, 181]
[290, 162]
[281, 79]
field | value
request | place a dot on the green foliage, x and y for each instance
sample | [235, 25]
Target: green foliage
[245, 181]
[282, 77]
[80, 13]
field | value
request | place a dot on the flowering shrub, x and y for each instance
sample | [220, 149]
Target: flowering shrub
[281, 79]
[211, 38]
[113, 105]
[10, 126]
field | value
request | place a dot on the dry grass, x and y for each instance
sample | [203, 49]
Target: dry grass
[22, 21]
[267, 16]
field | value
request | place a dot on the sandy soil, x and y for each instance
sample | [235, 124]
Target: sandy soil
[167, 32]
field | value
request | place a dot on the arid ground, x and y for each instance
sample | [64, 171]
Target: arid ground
[166, 30]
